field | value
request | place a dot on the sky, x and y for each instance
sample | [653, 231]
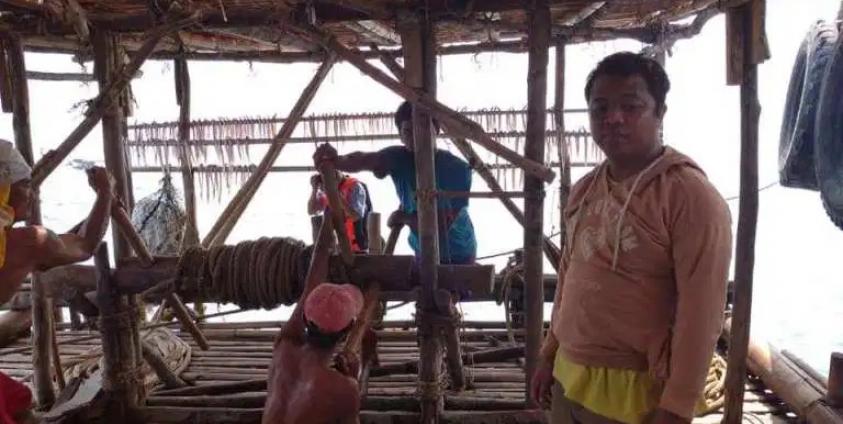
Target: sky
[798, 292]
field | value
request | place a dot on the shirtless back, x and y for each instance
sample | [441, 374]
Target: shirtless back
[305, 389]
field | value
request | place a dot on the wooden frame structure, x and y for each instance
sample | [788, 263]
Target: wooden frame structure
[353, 31]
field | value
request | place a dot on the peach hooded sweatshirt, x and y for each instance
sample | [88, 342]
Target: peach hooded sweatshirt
[643, 279]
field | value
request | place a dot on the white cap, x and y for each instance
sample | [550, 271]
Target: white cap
[12, 166]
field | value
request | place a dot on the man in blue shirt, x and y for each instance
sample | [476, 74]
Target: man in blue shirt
[457, 244]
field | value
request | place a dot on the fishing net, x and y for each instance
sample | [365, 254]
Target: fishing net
[160, 219]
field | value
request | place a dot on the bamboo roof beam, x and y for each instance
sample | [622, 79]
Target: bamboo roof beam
[585, 13]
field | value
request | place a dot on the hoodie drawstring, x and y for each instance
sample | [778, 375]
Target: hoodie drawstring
[624, 209]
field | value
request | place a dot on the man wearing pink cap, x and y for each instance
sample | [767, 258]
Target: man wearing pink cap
[306, 384]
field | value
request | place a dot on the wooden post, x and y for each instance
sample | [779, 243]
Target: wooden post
[42, 310]
[107, 65]
[538, 42]
[373, 231]
[418, 40]
[747, 215]
[98, 106]
[222, 228]
[119, 371]
[564, 158]
[182, 75]
[835, 380]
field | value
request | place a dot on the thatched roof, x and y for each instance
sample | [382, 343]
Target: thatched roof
[249, 27]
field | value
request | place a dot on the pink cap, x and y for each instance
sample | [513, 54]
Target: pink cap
[331, 307]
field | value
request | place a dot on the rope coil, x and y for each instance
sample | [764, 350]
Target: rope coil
[261, 273]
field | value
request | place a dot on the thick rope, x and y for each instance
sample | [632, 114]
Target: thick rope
[261, 273]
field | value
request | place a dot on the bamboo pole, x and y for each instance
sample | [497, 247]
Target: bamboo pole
[373, 231]
[834, 395]
[182, 76]
[394, 233]
[98, 105]
[108, 62]
[417, 37]
[451, 338]
[564, 157]
[455, 123]
[539, 39]
[331, 186]
[222, 228]
[747, 217]
[42, 310]
[119, 372]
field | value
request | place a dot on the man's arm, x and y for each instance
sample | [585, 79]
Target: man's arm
[375, 162]
[317, 273]
[313, 204]
[78, 246]
[702, 247]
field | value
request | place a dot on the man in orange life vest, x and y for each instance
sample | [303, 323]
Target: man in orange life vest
[354, 196]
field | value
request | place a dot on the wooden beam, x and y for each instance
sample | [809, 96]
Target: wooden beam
[747, 222]
[454, 122]
[585, 13]
[98, 106]
[222, 228]
[389, 61]
[539, 27]
[417, 36]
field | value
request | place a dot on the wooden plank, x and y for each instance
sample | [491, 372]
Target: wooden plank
[539, 39]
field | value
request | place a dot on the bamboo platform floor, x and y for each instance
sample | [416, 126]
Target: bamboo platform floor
[239, 353]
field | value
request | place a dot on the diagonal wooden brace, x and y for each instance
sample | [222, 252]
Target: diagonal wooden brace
[455, 122]
[97, 108]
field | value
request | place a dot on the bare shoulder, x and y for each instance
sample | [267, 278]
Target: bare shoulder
[31, 236]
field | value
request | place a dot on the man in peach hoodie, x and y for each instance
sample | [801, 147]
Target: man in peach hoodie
[639, 302]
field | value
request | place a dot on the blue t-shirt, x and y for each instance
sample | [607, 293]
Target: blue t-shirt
[452, 174]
